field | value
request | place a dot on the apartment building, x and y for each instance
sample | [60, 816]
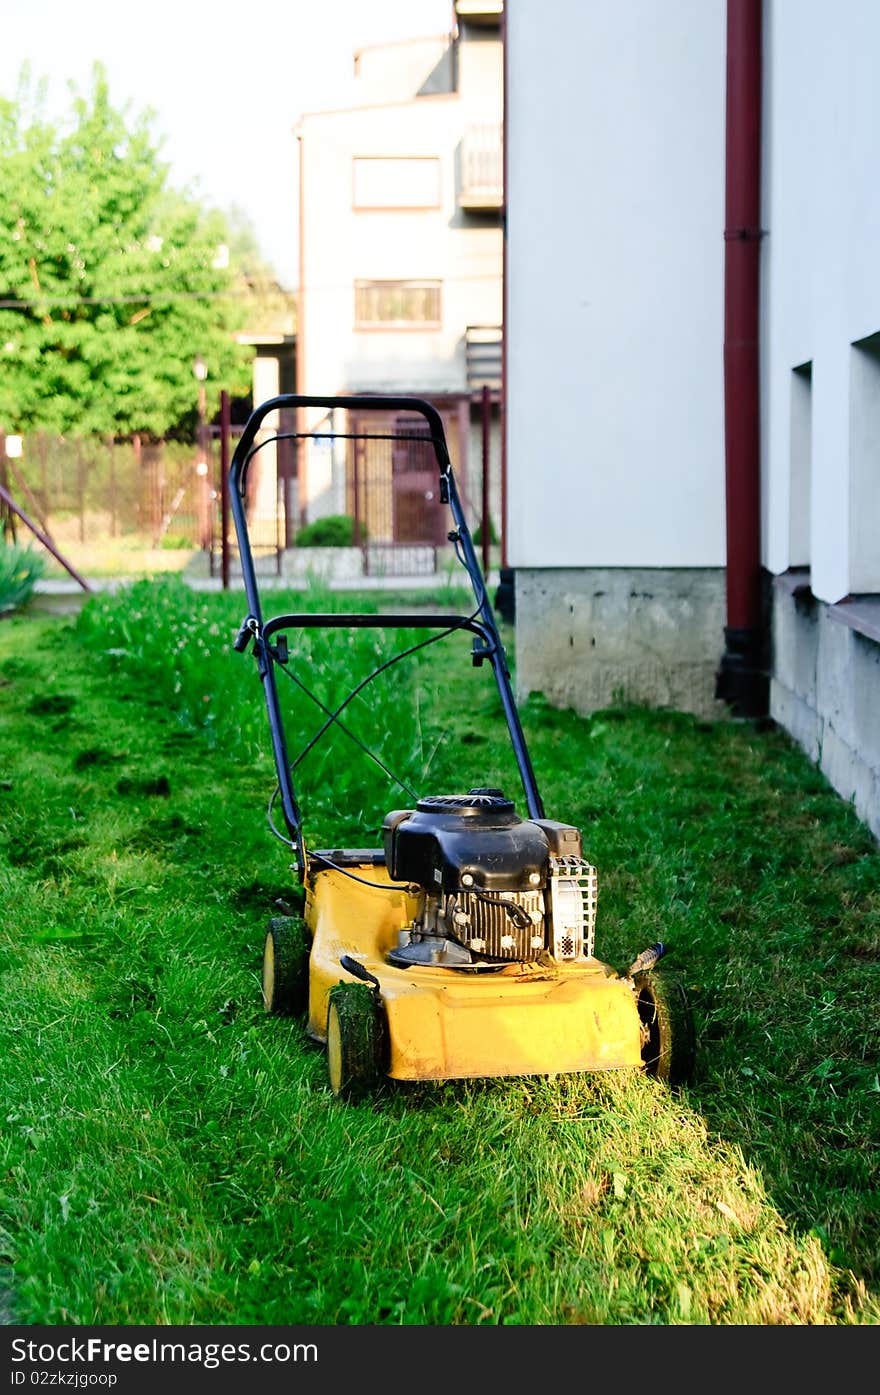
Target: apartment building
[401, 269]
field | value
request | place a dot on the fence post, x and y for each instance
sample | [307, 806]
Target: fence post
[356, 493]
[7, 516]
[81, 489]
[224, 490]
[114, 502]
[486, 523]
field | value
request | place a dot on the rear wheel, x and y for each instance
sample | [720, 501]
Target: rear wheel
[668, 1039]
[356, 1038]
[286, 966]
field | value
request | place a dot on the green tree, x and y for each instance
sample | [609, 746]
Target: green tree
[110, 280]
[270, 308]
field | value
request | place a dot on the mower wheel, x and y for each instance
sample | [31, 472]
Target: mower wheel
[356, 1040]
[668, 1039]
[286, 966]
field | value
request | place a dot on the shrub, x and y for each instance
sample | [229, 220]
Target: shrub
[335, 530]
[20, 568]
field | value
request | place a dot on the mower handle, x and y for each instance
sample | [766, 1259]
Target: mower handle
[356, 620]
[482, 623]
[243, 450]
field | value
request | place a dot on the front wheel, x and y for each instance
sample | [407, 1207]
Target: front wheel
[286, 966]
[356, 1040]
[667, 1025]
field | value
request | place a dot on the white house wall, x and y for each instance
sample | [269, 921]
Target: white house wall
[407, 103]
[343, 246]
[614, 332]
[480, 74]
[821, 384]
[822, 284]
[614, 308]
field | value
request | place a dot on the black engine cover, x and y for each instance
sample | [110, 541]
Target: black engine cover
[476, 836]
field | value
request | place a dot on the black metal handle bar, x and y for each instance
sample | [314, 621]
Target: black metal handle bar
[354, 620]
[289, 400]
[482, 623]
[244, 449]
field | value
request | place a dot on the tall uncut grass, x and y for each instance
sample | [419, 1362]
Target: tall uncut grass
[172, 1155]
[175, 644]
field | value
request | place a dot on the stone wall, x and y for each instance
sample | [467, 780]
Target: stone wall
[589, 637]
[825, 689]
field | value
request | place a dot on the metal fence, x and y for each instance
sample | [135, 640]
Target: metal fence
[93, 498]
[84, 489]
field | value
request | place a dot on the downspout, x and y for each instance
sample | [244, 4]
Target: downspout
[742, 680]
[299, 349]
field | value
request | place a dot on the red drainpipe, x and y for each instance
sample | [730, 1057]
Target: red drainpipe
[742, 679]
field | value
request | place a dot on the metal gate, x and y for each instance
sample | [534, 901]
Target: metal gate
[392, 489]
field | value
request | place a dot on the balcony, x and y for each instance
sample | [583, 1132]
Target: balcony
[487, 12]
[482, 169]
[482, 351]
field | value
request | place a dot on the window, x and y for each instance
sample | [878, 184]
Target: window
[864, 477]
[397, 304]
[800, 476]
[396, 182]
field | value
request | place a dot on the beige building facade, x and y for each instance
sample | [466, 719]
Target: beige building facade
[401, 260]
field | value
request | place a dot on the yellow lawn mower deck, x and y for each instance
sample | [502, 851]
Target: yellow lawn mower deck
[464, 947]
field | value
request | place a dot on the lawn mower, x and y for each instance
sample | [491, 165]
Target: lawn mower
[464, 946]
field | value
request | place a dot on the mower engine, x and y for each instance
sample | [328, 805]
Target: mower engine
[494, 888]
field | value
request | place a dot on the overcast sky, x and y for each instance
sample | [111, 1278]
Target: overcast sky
[227, 81]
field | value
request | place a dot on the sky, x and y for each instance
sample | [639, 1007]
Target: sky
[226, 82]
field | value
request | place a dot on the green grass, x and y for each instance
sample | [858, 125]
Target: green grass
[172, 1155]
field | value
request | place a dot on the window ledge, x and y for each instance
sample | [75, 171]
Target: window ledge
[859, 613]
[796, 579]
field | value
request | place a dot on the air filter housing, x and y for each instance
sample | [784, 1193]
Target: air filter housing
[474, 840]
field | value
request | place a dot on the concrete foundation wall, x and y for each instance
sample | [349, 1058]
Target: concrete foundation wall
[589, 637]
[825, 691]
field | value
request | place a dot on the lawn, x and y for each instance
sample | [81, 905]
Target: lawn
[173, 1155]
